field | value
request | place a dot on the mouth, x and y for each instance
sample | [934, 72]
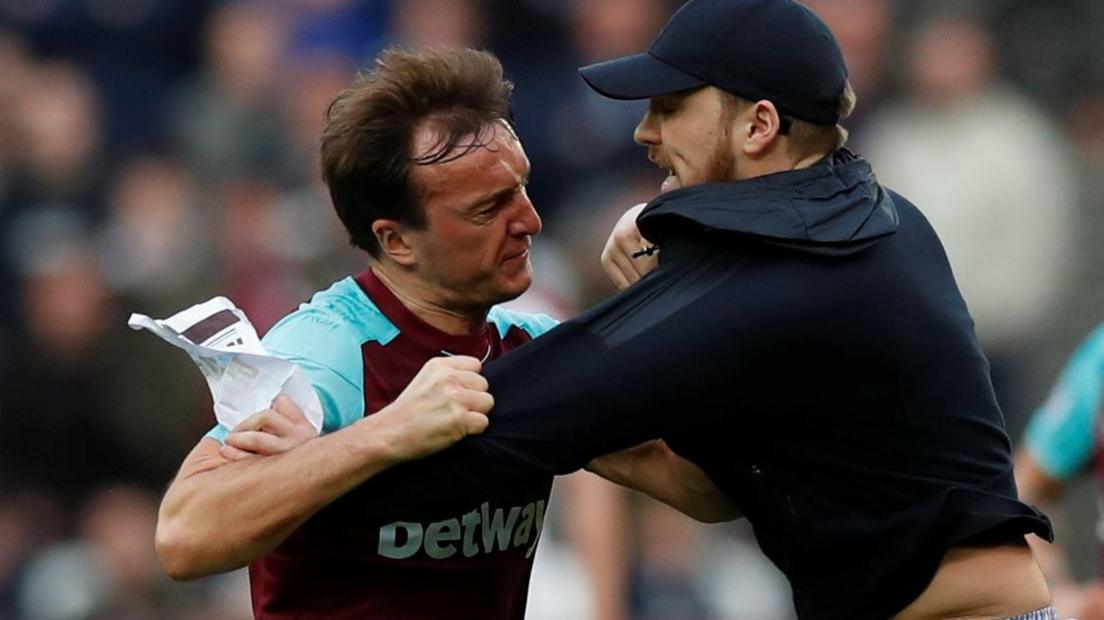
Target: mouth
[672, 181]
[521, 255]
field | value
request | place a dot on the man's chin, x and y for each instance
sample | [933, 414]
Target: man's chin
[510, 288]
[517, 287]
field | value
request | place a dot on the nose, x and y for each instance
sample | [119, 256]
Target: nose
[527, 221]
[647, 131]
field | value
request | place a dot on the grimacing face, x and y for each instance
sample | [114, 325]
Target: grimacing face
[474, 249]
[689, 135]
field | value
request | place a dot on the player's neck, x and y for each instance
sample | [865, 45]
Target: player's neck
[429, 305]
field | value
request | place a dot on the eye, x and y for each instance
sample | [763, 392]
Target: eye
[665, 106]
[489, 212]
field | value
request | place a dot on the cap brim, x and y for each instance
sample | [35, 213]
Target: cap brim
[637, 77]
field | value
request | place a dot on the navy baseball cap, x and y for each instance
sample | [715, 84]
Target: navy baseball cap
[756, 49]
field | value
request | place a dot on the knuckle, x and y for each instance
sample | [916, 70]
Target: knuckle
[456, 361]
[477, 423]
[467, 362]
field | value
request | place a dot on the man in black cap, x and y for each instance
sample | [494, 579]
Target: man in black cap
[802, 339]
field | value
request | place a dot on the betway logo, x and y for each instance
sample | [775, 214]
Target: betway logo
[479, 531]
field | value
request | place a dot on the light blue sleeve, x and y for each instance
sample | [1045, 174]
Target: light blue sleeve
[218, 433]
[328, 350]
[533, 324]
[1062, 435]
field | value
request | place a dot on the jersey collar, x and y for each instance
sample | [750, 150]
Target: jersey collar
[437, 342]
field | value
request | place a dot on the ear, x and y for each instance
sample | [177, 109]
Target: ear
[761, 122]
[393, 239]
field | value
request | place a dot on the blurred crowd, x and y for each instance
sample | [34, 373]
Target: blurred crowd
[155, 153]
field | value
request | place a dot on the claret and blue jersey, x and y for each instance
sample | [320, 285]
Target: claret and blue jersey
[1065, 436]
[423, 540]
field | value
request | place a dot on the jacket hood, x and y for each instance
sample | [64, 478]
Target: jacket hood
[834, 207]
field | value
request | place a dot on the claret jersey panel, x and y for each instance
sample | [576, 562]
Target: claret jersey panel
[444, 537]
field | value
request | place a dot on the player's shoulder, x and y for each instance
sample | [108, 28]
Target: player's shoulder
[336, 321]
[533, 324]
[1086, 365]
[1061, 435]
[1093, 344]
[1088, 358]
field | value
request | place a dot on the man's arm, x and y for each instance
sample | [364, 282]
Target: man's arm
[658, 359]
[1036, 486]
[1059, 444]
[655, 470]
[596, 525]
[220, 514]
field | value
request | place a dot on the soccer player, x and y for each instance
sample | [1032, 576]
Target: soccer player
[1062, 442]
[429, 179]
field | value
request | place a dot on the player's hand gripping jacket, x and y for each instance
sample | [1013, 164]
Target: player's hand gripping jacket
[803, 340]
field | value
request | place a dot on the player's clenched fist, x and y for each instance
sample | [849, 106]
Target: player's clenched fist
[446, 400]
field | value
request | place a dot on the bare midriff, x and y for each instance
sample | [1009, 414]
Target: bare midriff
[982, 583]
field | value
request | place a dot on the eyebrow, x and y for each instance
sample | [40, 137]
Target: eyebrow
[496, 196]
[668, 98]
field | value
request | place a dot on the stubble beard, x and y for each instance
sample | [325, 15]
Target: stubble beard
[722, 162]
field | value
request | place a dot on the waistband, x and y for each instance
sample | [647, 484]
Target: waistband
[1046, 613]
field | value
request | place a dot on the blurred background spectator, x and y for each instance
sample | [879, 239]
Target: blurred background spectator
[995, 179]
[154, 153]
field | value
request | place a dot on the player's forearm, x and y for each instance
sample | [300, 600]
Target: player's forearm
[698, 498]
[654, 470]
[596, 524]
[223, 515]
[1037, 487]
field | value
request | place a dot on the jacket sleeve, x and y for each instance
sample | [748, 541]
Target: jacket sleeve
[640, 366]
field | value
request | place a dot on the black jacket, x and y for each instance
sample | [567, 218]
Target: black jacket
[803, 340]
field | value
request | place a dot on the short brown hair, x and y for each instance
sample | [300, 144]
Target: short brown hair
[809, 139]
[369, 132]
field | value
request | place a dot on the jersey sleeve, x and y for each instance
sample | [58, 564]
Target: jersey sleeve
[1062, 434]
[328, 352]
